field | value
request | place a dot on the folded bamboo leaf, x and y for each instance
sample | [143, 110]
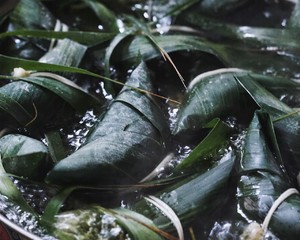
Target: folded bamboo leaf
[24, 156]
[98, 223]
[14, 111]
[204, 101]
[273, 59]
[192, 197]
[286, 123]
[33, 93]
[19, 105]
[124, 146]
[262, 181]
[207, 148]
[241, 91]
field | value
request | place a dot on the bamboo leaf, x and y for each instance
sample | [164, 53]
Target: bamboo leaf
[24, 156]
[206, 149]
[76, 97]
[113, 44]
[86, 38]
[124, 145]
[107, 17]
[32, 14]
[204, 101]
[67, 53]
[14, 109]
[54, 205]
[9, 63]
[287, 128]
[260, 169]
[190, 198]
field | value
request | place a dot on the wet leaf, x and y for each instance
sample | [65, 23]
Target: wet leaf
[24, 156]
[262, 180]
[124, 146]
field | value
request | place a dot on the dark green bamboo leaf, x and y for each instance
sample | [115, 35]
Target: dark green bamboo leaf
[259, 148]
[140, 45]
[204, 101]
[207, 148]
[76, 97]
[54, 206]
[9, 63]
[106, 16]
[24, 156]
[86, 38]
[12, 110]
[55, 144]
[260, 169]
[32, 14]
[192, 197]
[270, 54]
[33, 92]
[112, 46]
[66, 53]
[272, 39]
[19, 104]
[286, 124]
[124, 145]
[264, 99]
